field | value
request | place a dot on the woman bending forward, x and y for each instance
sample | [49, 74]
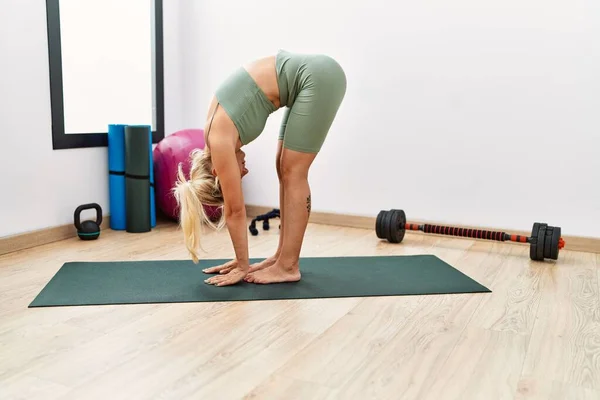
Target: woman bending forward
[312, 87]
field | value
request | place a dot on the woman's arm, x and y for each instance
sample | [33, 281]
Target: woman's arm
[228, 172]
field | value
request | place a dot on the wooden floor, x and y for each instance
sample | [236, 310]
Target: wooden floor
[537, 336]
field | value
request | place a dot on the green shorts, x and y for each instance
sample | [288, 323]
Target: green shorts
[312, 87]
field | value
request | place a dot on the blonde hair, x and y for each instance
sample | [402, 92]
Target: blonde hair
[192, 195]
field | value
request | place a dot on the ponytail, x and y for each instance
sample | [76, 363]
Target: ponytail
[191, 195]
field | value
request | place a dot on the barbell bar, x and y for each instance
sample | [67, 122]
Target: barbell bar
[545, 240]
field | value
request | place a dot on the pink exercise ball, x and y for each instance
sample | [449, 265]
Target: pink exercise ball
[167, 155]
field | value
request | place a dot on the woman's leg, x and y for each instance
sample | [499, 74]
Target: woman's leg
[308, 124]
[296, 207]
[271, 260]
[297, 203]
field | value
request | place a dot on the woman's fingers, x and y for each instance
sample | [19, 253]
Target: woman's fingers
[215, 279]
[231, 278]
[213, 270]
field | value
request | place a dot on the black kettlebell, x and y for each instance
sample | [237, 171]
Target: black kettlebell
[88, 230]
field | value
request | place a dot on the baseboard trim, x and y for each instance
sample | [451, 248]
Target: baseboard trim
[27, 240]
[40, 237]
[573, 243]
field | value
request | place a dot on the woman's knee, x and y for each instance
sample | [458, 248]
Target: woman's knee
[295, 165]
[292, 173]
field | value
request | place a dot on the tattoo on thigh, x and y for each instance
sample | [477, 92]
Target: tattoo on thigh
[308, 205]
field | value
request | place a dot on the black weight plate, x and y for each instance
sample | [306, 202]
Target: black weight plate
[541, 242]
[548, 242]
[381, 225]
[556, 233]
[401, 226]
[378, 225]
[389, 225]
[533, 245]
[398, 220]
[397, 227]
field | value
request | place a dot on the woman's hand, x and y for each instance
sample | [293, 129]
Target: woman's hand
[221, 269]
[229, 273]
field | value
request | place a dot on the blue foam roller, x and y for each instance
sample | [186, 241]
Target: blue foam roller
[116, 170]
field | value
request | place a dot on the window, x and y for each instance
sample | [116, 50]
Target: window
[106, 67]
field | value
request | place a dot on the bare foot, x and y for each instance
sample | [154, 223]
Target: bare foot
[263, 264]
[274, 274]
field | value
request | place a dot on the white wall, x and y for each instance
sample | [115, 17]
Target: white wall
[464, 112]
[28, 166]
[468, 112]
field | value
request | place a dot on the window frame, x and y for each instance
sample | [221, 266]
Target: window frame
[62, 140]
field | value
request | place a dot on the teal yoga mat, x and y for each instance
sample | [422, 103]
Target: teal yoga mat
[137, 179]
[176, 281]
